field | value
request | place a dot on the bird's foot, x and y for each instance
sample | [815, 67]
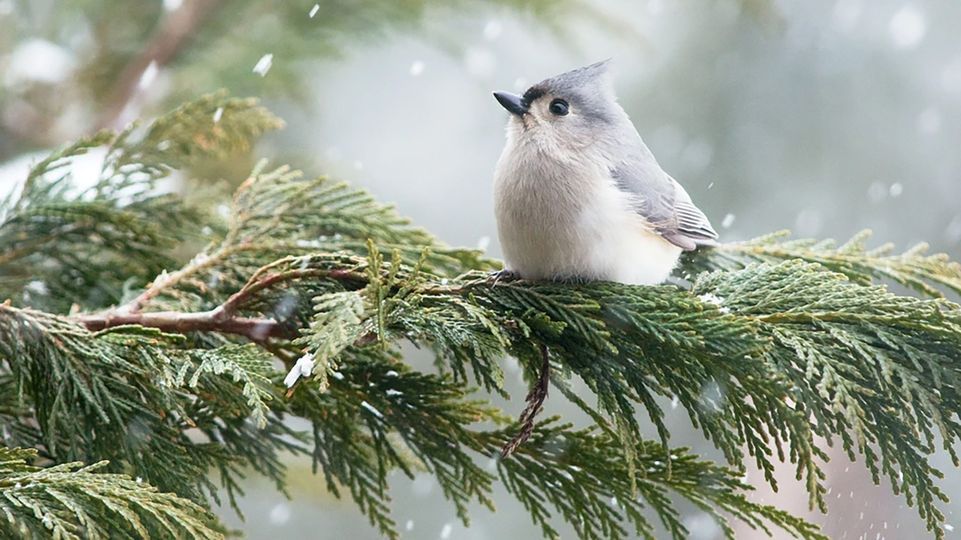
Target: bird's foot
[502, 275]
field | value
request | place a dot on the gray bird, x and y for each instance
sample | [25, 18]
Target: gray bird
[577, 193]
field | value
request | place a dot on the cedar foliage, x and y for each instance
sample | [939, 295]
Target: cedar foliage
[116, 356]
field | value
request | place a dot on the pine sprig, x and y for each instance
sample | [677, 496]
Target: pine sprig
[878, 370]
[246, 364]
[580, 473]
[85, 241]
[71, 501]
[280, 213]
[583, 474]
[928, 274]
[124, 394]
[729, 355]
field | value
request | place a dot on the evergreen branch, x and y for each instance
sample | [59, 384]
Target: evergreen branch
[64, 244]
[71, 501]
[124, 394]
[583, 474]
[278, 214]
[914, 268]
[254, 329]
[246, 364]
[766, 367]
[737, 379]
[878, 370]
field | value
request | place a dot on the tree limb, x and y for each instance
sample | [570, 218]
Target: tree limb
[171, 36]
[255, 329]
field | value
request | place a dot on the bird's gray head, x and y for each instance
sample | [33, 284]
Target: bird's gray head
[566, 111]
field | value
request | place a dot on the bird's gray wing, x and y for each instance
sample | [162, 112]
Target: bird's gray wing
[664, 204]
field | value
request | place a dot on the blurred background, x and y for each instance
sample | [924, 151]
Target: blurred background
[825, 117]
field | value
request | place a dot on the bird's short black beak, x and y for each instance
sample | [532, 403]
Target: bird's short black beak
[512, 102]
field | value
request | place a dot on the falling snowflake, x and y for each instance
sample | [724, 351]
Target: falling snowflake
[263, 65]
[303, 368]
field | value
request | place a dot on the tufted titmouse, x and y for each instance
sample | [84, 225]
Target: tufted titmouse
[578, 195]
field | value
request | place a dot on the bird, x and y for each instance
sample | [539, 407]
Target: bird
[579, 196]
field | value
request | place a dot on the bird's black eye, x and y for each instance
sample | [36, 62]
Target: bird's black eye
[559, 107]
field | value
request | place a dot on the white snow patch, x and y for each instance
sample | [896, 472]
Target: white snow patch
[303, 368]
[446, 531]
[39, 60]
[148, 76]
[371, 409]
[929, 121]
[711, 298]
[263, 65]
[493, 29]
[702, 527]
[728, 221]
[846, 14]
[479, 62]
[280, 514]
[908, 27]
[37, 287]
[952, 232]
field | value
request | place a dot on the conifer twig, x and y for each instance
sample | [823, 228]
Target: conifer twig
[223, 318]
[535, 401]
[255, 329]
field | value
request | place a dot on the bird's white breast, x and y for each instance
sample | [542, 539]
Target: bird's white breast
[561, 220]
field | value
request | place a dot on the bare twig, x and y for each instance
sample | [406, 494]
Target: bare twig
[260, 281]
[165, 281]
[254, 329]
[223, 318]
[535, 401]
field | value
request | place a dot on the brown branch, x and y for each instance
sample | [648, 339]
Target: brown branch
[257, 283]
[223, 318]
[535, 401]
[256, 330]
[168, 40]
[161, 283]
